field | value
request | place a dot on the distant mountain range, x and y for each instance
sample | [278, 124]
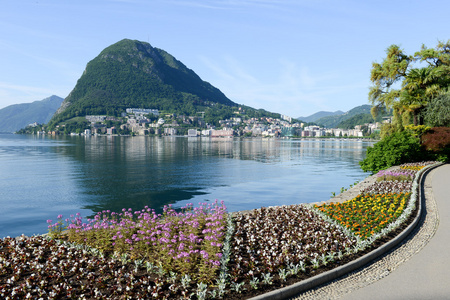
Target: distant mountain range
[356, 116]
[18, 116]
[318, 115]
[133, 74]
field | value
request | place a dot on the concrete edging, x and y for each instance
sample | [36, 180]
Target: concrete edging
[333, 274]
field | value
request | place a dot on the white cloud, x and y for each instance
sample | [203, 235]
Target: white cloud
[15, 94]
[290, 89]
[23, 88]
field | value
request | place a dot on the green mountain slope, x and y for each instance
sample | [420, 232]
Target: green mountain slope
[17, 116]
[318, 115]
[130, 73]
[333, 121]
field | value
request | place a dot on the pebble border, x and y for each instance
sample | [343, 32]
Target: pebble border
[385, 265]
[373, 266]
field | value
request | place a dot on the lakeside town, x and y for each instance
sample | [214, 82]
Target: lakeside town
[139, 121]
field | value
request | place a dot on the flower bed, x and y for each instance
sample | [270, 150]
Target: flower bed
[385, 187]
[187, 242]
[417, 166]
[40, 268]
[367, 214]
[285, 238]
[200, 252]
[393, 175]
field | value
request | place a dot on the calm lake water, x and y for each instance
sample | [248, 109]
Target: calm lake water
[42, 177]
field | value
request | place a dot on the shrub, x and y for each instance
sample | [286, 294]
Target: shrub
[395, 149]
[437, 141]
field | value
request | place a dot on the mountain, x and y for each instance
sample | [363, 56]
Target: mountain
[17, 116]
[320, 114]
[131, 74]
[333, 121]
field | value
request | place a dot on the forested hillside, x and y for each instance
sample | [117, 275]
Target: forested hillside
[135, 74]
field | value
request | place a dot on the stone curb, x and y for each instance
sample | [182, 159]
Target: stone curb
[333, 274]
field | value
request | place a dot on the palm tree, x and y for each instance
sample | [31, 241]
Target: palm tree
[418, 87]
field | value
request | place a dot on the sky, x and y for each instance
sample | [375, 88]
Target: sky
[294, 57]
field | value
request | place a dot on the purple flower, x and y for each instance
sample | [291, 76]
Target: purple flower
[181, 246]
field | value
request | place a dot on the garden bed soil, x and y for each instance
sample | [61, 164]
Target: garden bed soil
[310, 272]
[108, 289]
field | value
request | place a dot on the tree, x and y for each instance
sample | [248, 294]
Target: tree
[384, 76]
[418, 87]
[406, 89]
[437, 113]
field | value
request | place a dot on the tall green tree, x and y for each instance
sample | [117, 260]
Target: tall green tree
[418, 87]
[399, 85]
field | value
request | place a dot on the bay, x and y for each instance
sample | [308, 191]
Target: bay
[44, 176]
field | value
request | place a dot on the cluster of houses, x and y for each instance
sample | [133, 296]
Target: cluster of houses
[149, 121]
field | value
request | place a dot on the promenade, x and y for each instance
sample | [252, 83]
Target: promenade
[419, 268]
[426, 275]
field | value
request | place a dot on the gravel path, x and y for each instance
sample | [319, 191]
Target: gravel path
[385, 265]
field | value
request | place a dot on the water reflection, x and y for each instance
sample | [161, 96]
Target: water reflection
[41, 177]
[137, 171]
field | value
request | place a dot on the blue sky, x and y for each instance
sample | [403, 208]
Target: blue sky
[292, 57]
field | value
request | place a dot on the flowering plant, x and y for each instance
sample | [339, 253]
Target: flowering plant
[399, 174]
[367, 214]
[268, 239]
[186, 242]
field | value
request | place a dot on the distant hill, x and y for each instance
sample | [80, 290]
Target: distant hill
[17, 116]
[318, 115]
[131, 73]
[334, 120]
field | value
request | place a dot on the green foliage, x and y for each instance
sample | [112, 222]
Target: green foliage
[387, 129]
[417, 131]
[363, 118]
[258, 113]
[397, 84]
[395, 149]
[437, 112]
[77, 125]
[359, 119]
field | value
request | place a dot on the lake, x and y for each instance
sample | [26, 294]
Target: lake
[43, 176]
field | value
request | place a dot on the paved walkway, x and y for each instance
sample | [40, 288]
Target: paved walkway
[419, 268]
[427, 274]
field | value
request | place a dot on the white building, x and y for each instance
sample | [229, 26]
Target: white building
[222, 133]
[170, 131]
[192, 133]
[286, 118]
[142, 111]
[206, 132]
[95, 118]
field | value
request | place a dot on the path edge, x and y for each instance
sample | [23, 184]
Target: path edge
[366, 259]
